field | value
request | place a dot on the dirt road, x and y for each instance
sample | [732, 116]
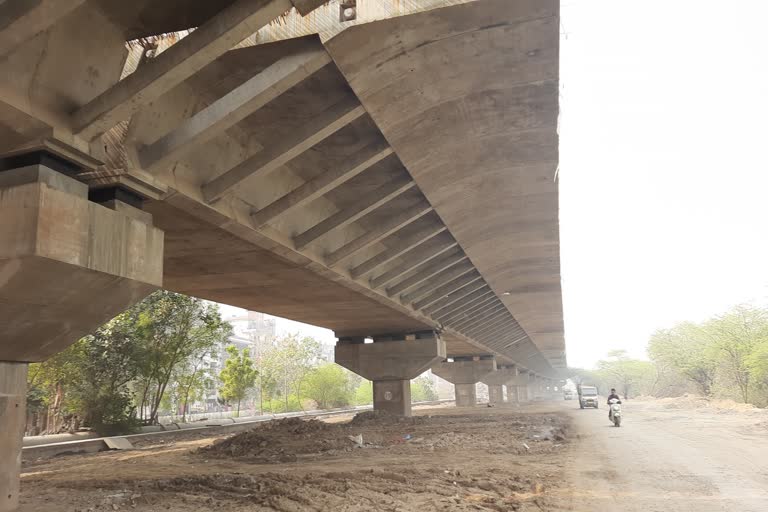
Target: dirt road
[666, 459]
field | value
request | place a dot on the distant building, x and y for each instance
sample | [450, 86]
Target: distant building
[254, 331]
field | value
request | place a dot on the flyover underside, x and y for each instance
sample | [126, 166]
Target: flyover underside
[397, 177]
[468, 98]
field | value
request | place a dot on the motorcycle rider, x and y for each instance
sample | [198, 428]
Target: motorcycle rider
[612, 396]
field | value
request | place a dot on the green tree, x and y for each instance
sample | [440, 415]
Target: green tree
[329, 386]
[238, 376]
[423, 390]
[364, 393]
[687, 350]
[171, 330]
[626, 374]
[286, 364]
[737, 336]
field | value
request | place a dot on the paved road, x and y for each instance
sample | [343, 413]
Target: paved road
[669, 460]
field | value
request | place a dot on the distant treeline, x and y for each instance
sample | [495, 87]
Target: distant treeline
[723, 357]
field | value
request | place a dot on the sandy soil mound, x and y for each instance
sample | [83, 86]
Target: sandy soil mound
[381, 418]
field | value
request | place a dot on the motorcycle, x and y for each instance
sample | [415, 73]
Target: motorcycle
[615, 412]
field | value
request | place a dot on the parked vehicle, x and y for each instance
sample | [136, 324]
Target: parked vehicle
[615, 412]
[568, 394]
[588, 397]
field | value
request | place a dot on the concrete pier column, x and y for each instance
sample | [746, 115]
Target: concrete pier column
[13, 400]
[495, 394]
[464, 374]
[391, 361]
[392, 396]
[496, 381]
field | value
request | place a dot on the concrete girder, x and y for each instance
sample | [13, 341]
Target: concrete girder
[362, 207]
[442, 278]
[322, 184]
[428, 251]
[159, 75]
[448, 288]
[483, 299]
[495, 329]
[21, 20]
[487, 303]
[393, 224]
[492, 322]
[264, 162]
[488, 313]
[398, 248]
[235, 106]
[426, 271]
[457, 297]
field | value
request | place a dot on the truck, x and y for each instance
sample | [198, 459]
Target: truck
[587, 396]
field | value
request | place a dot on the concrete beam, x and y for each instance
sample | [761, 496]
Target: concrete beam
[391, 225]
[360, 208]
[398, 248]
[285, 150]
[321, 185]
[457, 298]
[486, 303]
[159, 75]
[21, 20]
[234, 106]
[477, 319]
[488, 324]
[425, 253]
[500, 330]
[464, 375]
[306, 6]
[427, 270]
[443, 278]
[476, 302]
[447, 289]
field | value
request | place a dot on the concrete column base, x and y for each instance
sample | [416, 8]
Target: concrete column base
[512, 394]
[466, 395]
[13, 402]
[496, 394]
[392, 396]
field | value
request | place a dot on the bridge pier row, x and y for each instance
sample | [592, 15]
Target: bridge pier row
[496, 381]
[390, 362]
[464, 374]
[68, 264]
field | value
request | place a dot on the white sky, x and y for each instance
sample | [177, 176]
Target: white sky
[663, 178]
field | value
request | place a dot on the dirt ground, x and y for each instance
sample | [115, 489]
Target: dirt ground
[501, 459]
[681, 455]
[668, 456]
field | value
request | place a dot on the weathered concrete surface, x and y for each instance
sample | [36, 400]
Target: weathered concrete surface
[477, 130]
[391, 365]
[495, 394]
[13, 403]
[464, 375]
[67, 265]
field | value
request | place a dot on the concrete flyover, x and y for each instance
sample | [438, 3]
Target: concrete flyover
[391, 180]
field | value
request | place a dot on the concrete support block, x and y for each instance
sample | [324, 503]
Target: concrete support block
[67, 265]
[392, 396]
[512, 393]
[13, 394]
[495, 394]
[391, 365]
[464, 375]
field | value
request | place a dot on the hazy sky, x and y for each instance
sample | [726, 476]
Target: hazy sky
[663, 177]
